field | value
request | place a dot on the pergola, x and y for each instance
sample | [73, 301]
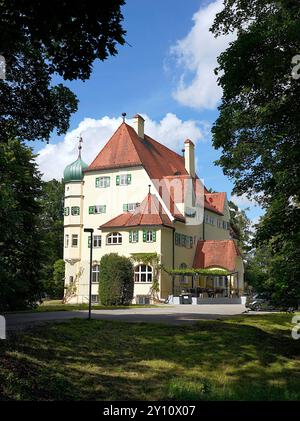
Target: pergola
[206, 275]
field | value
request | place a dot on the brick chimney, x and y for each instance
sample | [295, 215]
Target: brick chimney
[138, 125]
[189, 157]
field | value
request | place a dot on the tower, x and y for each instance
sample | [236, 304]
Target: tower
[73, 216]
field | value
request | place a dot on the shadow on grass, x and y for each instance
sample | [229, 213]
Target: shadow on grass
[104, 360]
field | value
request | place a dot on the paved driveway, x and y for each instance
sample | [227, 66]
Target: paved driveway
[177, 314]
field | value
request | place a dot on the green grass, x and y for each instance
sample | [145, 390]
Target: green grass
[244, 358]
[56, 305]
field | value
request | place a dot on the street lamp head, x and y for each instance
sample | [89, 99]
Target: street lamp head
[88, 230]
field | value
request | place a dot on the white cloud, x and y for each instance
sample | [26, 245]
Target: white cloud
[243, 201]
[196, 55]
[171, 131]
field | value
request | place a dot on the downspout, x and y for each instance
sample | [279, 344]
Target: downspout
[173, 262]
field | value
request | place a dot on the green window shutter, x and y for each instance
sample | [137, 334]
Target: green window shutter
[137, 235]
[125, 207]
[89, 242]
[108, 181]
[128, 178]
[67, 211]
[97, 182]
[104, 209]
[144, 236]
[117, 180]
[91, 209]
[154, 235]
[130, 236]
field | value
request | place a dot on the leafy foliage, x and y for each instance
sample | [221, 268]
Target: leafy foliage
[258, 127]
[20, 241]
[152, 259]
[116, 280]
[40, 39]
[55, 286]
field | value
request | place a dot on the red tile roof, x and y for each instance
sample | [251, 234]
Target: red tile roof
[216, 253]
[150, 212]
[125, 148]
[216, 200]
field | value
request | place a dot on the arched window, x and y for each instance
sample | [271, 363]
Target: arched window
[183, 279]
[143, 273]
[114, 238]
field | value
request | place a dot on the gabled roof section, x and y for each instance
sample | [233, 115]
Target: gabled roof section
[149, 213]
[216, 253]
[216, 201]
[125, 148]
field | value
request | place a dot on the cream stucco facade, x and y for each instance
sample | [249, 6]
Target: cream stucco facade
[111, 196]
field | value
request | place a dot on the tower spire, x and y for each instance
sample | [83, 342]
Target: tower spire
[80, 146]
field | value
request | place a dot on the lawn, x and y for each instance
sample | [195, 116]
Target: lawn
[244, 358]
[57, 305]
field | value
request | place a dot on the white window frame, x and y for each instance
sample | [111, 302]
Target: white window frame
[97, 241]
[149, 236]
[103, 182]
[95, 300]
[114, 236]
[73, 238]
[131, 207]
[99, 209]
[95, 273]
[138, 273]
[123, 180]
[75, 210]
[135, 236]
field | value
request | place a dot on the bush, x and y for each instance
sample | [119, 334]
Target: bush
[55, 285]
[116, 280]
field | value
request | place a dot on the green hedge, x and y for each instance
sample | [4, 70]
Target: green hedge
[116, 280]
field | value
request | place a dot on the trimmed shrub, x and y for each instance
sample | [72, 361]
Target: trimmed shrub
[116, 280]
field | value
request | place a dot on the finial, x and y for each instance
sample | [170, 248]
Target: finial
[149, 185]
[182, 150]
[124, 115]
[80, 146]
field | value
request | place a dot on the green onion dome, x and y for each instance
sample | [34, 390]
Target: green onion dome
[74, 171]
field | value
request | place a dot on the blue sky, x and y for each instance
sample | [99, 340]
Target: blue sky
[166, 74]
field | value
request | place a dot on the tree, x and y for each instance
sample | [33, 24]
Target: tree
[116, 280]
[39, 40]
[55, 287]
[51, 202]
[20, 240]
[258, 126]
[240, 227]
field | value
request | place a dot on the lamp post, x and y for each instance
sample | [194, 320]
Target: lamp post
[91, 231]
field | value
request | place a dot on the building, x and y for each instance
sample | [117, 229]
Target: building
[134, 196]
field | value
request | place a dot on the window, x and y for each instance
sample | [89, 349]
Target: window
[66, 240]
[67, 211]
[97, 209]
[95, 273]
[143, 273]
[102, 182]
[219, 223]
[96, 241]
[184, 240]
[114, 238]
[130, 207]
[75, 210]
[211, 220]
[224, 225]
[95, 299]
[74, 240]
[142, 299]
[183, 279]
[123, 179]
[133, 236]
[149, 236]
